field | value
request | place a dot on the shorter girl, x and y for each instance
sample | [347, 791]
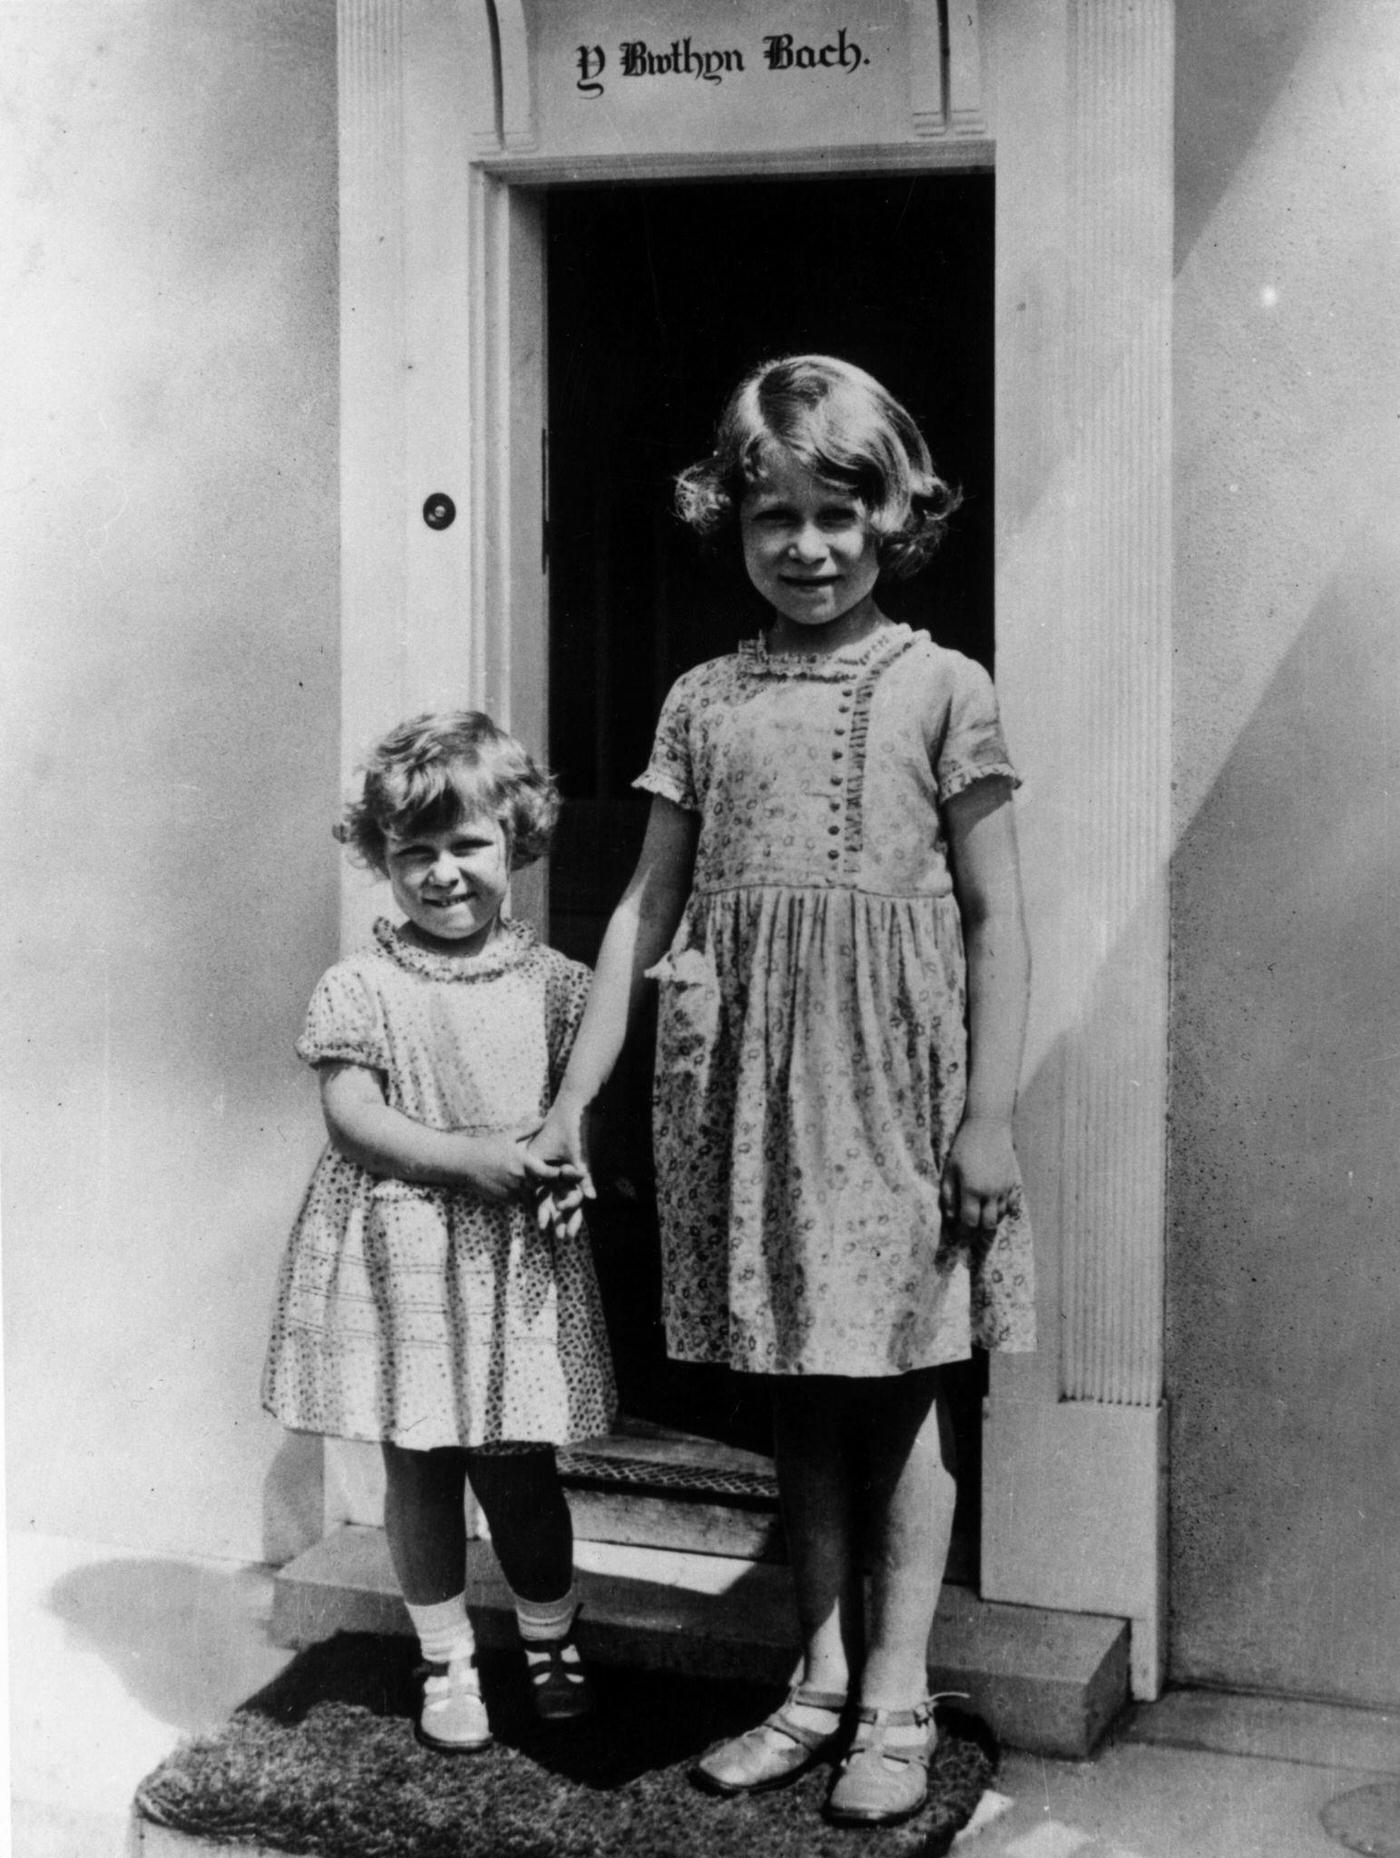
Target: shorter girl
[419, 1303]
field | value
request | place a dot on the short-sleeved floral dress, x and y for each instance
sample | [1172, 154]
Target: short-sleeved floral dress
[416, 1314]
[812, 1048]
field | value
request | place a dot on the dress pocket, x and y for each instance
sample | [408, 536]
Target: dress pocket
[688, 1020]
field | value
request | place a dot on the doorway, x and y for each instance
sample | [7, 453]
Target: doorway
[660, 296]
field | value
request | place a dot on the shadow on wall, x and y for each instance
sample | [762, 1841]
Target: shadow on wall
[294, 1498]
[1231, 62]
[188, 1643]
[1284, 1277]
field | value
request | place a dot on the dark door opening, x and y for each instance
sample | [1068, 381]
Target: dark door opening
[660, 297]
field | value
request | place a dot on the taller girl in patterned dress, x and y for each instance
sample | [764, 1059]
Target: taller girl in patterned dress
[840, 1203]
[420, 1305]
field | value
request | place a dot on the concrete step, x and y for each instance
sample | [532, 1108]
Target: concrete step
[1048, 1682]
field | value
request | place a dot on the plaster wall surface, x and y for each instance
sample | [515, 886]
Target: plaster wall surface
[1284, 1271]
[171, 688]
[169, 523]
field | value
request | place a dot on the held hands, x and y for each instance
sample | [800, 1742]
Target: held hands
[503, 1167]
[981, 1182]
[559, 1148]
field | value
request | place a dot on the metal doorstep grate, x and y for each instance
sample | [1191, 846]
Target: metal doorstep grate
[689, 1482]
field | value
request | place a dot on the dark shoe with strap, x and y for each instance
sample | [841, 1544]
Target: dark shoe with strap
[883, 1782]
[559, 1686]
[757, 1762]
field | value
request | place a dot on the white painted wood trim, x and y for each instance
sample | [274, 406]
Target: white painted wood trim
[546, 170]
[966, 113]
[1074, 1453]
[926, 68]
[1119, 608]
[443, 390]
[508, 420]
[410, 333]
[476, 76]
[374, 577]
[517, 77]
[1075, 1512]
[416, 101]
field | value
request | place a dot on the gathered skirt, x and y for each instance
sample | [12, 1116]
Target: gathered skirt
[428, 1318]
[811, 1074]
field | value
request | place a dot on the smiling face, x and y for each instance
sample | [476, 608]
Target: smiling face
[810, 552]
[451, 884]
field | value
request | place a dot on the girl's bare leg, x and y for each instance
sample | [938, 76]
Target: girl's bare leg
[816, 1479]
[909, 1495]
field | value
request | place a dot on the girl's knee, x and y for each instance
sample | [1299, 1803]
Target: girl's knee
[424, 1475]
[512, 1479]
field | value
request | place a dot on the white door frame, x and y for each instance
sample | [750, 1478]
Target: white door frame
[443, 390]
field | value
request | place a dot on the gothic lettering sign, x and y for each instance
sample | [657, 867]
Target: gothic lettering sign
[712, 64]
[726, 77]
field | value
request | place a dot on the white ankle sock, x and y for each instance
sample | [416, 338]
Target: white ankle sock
[443, 1629]
[540, 1621]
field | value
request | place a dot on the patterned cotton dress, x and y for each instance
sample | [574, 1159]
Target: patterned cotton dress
[416, 1314]
[812, 1048]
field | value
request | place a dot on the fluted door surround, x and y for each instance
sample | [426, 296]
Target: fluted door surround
[447, 109]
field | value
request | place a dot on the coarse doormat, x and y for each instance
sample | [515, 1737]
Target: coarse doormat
[324, 1761]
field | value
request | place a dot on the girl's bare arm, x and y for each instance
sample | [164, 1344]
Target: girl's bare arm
[368, 1130]
[981, 1172]
[638, 935]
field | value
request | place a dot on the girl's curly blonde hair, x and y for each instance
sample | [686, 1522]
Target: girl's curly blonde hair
[840, 424]
[441, 769]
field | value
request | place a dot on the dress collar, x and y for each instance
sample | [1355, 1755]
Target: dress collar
[513, 945]
[886, 641]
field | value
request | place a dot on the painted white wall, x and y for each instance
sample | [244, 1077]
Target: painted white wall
[169, 527]
[1284, 1293]
[171, 684]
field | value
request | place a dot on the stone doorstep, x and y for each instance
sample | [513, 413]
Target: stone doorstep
[144, 1840]
[1047, 1682]
[661, 1522]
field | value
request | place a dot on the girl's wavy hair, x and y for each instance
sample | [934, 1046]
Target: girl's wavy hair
[840, 424]
[438, 771]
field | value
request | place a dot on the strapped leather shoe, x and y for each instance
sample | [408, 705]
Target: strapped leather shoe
[883, 1782]
[757, 1761]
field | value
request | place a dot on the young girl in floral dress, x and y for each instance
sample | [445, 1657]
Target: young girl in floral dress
[420, 1305]
[828, 897]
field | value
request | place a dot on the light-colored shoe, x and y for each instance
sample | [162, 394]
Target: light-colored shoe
[754, 1763]
[883, 1782]
[453, 1719]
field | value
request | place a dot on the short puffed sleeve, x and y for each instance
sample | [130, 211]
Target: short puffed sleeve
[344, 1021]
[566, 995]
[971, 746]
[671, 769]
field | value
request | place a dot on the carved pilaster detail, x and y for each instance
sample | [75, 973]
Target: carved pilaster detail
[927, 103]
[1117, 625]
[966, 114]
[481, 95]
[517, 77]
[945, 68]
[372, 347]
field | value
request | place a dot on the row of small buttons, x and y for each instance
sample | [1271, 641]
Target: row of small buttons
[838, 778]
